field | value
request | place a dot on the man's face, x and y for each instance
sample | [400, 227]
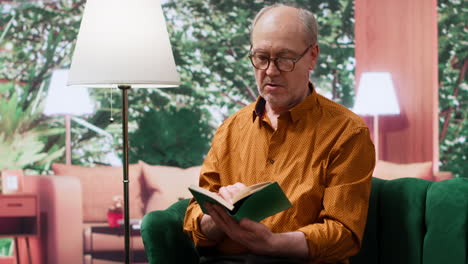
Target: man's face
[280, 33]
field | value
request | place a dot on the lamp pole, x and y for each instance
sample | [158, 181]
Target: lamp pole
[68, 139]
[376, 136]
[124, 89]
[102, 60]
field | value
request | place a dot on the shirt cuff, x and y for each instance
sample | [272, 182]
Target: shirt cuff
[329, 241]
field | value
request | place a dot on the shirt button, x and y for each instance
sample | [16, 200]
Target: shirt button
[271, 161]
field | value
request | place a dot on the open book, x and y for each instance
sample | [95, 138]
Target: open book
[255, 202]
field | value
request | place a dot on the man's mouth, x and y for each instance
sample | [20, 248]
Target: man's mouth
[272, 86]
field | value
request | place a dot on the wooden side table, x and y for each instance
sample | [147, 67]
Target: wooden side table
[19, 217]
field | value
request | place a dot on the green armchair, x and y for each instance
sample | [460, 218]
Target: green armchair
[410, 221]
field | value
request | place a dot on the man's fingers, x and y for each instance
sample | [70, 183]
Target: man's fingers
[229, 191]
[246, 232]
[211, 211]
[225, 193]
[239, 185]
[215, 215]
[224, 216]
[221, 218]
[248, 224]
[232, 189]
[235, 188]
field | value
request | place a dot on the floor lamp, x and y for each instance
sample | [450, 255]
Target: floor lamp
[376, 97]
[66, 102]
[123, 44]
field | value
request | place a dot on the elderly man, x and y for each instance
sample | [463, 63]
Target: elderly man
[317, 150]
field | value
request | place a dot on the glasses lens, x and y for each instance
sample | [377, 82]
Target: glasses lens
[260, 62]
[285, 64]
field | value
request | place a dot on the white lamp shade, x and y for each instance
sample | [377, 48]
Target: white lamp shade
[123, 42]
[376, 95]
[61, 101]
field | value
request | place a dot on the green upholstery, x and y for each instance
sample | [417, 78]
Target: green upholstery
[402, 225]
[370, 244]
[166, 226]
[409, 221]
[447, 223]
[412, 221]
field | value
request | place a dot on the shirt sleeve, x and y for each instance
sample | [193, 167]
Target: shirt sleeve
[338, 233]
[209, 179]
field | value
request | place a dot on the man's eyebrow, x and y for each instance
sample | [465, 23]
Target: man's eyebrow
[259, 51]
[287, 52]
[281, 52]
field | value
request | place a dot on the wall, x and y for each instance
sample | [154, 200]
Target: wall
[400, 36]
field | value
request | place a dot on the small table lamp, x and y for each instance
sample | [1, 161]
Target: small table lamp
[123, 44]
[376, 96]
[66, 102]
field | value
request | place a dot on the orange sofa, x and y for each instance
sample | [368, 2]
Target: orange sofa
[76, 198]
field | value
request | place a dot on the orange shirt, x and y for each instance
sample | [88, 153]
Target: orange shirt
[322, 157]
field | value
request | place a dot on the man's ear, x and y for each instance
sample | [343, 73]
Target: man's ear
[315, 51]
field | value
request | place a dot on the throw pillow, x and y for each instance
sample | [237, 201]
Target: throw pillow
[389, 171]
[167, 184]
[100, 185]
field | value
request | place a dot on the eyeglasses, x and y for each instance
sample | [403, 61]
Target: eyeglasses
[262, 62]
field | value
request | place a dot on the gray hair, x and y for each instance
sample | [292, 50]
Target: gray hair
[307, 18]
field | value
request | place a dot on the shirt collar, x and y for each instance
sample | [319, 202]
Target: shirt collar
[259, 110]
[296, 112]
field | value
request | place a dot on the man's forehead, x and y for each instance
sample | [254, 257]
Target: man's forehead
[278, 43]
[282, 30]
[280, 18]
[267, 26]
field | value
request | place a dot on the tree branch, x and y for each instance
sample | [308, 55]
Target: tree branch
[448, 112]
[251, 93]
[445, 111]
[334, 91]
[232, 99]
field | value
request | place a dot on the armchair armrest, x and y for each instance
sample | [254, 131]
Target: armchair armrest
[61, 204]
[163, 236]
[442, 175]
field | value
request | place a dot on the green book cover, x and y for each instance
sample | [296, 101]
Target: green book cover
[256, 202]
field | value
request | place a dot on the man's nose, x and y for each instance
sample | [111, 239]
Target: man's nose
[272, 69]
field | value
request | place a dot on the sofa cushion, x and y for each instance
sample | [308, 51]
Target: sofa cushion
[167, 184]
[446, 239]
[370, 250]
[100, 185]
[390, 171]
[402, 208]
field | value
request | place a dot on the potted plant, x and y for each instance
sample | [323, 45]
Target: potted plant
[115, 212]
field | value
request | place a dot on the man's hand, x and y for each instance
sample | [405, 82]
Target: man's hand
[210, 229]
[255, 236]
[230, 191]
[208, 226]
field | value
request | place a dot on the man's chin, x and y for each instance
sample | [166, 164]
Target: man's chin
[275, 100]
